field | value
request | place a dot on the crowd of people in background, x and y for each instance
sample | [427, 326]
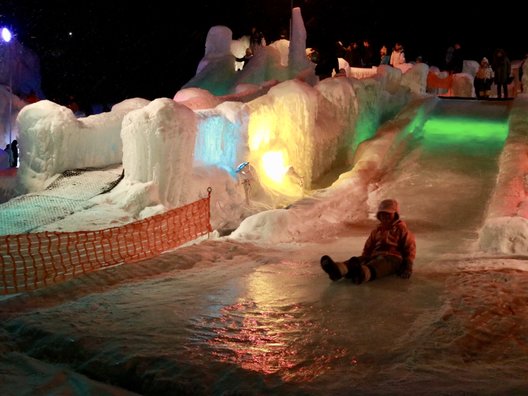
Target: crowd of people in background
[498, 72]
[359, 54]
[362, 54]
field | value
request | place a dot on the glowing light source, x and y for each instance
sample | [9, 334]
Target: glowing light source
[271, 148]
[6, 35]
[274, 165]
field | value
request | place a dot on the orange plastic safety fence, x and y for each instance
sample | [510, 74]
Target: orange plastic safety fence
[33, 261]
[433, 81]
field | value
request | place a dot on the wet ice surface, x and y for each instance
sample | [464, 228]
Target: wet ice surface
[239, 326]
[247, 321]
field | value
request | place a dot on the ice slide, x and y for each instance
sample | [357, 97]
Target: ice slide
[449, 177]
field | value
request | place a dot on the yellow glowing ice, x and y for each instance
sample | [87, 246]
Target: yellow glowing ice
[274, 165]
[270, 156]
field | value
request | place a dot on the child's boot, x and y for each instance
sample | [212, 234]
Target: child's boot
[335, 270]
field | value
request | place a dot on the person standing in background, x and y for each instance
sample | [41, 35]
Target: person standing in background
[502, 68]
[384, 56]
[457, 60]
[256, 40]
[483, 79]
[246, 58]
[353, 55]
[367, 54]
[397, 57]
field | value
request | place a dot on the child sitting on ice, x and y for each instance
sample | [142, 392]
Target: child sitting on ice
[390, 249]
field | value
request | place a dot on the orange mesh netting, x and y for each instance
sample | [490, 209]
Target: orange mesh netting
[32, 261]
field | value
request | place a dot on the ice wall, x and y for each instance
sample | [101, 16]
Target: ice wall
[158, 145]
[222, 137]
[281, 60]
[52, 140]
[506, 225]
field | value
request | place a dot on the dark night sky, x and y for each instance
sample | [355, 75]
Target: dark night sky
[120, 50]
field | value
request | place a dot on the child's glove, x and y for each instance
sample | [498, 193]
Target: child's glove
[406, 269]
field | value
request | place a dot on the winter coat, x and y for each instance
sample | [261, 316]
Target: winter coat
[484, 78]
[385, 60]
[396, 240]
[485, 73]
[397, 58]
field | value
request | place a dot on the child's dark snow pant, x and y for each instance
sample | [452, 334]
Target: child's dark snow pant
[379, 266]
